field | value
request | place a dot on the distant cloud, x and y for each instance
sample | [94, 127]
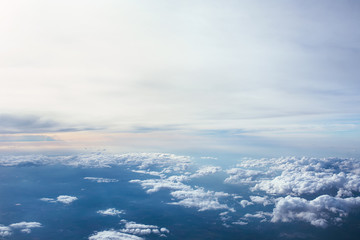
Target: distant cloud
[11, 124]
[111, 212]
[62, 199]
[143, 161]
[101, 180]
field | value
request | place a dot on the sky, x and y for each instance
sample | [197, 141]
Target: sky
[245, 77]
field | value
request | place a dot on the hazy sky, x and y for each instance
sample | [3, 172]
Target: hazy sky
[280, 77]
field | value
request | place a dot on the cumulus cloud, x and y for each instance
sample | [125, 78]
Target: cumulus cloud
[111, 212]
[320, 212]
[101, 180]
[187, 195]
[244, 203]
[130, 231]
[62, 199]
[201, 199]
[24, 227]
[113, 235]
[155, 185]
[259, 214]
[5, 231]
[298, 176]
[262, 200]
[141, 161]
[243, 176]
[206, 170]
[143, 229]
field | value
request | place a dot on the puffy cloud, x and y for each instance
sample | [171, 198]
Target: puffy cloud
[319, 212]
[113, 235]
[243, 176]
[201, 199]
[206, 170]
[24, 227]
[298, 176]
[5, 231]
[66, 199]
[187, 196]
[245, 203]
[111, 212]
[143, 229]
[101, 180]
[155, 185]
[262, 200]
[62, 198]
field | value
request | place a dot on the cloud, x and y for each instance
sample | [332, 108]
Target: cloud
[144, 161]
[24, 227]
[113, 235]
[243, 176]
[298, 176]
[244, 203]
[5, 231]
[206, 170]
[320, 212]
[129, 232]
[143, 229]
[62, 199]
[153, 173]
[186, 195]
[12, 124]
[101, 180]
[201, 199]
[259, 214]
[262, 200]
[155, 185]
[111, 212]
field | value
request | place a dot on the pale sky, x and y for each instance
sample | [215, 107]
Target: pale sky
[238, 76]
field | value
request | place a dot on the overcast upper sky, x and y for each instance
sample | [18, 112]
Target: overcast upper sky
[210, 74]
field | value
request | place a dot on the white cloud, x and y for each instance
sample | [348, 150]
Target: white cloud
[262, 200]
[153, 173]
[187, 196]
[240, 223]
[24, 227]
[113, 235]
[111, 212]
[154, 185]
[5, 231]
[101, 180]
[206, 170]
[320, 212]
[201, 199]
[298, 176]
[62, 199]
[66, 199]
[244, 176]
[244, 203]
[143, 229]
[144, 161]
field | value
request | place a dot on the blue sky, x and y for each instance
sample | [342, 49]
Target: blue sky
[277, 77]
